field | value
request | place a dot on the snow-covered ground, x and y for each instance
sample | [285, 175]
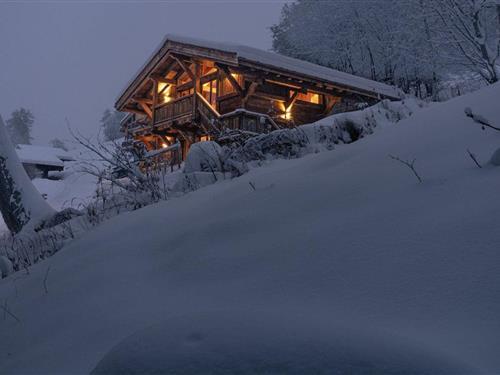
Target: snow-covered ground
[346, 238]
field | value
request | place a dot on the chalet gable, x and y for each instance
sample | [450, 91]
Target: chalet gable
[253, 60]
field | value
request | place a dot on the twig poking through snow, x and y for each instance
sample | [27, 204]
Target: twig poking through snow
[252, 185]
[473, 157]
[45, 280]
[6, 310]
[479, 119]
[409, 164]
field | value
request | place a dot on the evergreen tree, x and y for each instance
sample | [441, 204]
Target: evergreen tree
[110, 123]
[19, 126]
[57, 143]
[20, 201]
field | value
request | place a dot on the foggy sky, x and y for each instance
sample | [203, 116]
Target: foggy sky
[69, 59]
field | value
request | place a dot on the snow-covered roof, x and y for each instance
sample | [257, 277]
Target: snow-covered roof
[44, 155]
[284, 63]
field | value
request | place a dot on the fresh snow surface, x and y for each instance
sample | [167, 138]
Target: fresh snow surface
[346, 238]
[279, 61]
[231, 342]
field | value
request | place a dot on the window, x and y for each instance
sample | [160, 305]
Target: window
[310, 97]
[164, 91]
[209, 91]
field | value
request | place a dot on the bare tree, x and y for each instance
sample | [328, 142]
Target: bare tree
[472, 27]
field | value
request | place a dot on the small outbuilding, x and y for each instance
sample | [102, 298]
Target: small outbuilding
[38, 161]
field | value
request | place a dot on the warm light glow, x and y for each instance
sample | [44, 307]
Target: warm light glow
[310, 97]
[207, 87]
[287, 112]
[164, 89]
[164, 145]
[204, 138]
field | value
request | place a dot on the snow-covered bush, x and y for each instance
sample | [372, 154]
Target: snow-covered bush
[204, 157]
[322, 135]
[5, 266]
[495, 158]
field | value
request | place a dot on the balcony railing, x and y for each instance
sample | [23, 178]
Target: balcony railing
[175, 109]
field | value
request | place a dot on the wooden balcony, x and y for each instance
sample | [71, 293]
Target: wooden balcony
[181, 108]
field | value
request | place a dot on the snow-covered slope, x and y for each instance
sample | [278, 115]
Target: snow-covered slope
[345, 238]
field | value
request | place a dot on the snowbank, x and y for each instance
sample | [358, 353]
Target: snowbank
[237, 342]
[322, 135]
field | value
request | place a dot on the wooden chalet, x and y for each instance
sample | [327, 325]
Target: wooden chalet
[189, 90]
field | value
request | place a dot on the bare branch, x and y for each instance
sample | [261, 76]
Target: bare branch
[409, 164]
[473, 157]
[45, 281]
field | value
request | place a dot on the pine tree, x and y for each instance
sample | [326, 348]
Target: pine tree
[57, 143]
[19, 126]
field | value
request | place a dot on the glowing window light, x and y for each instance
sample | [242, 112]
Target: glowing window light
[164, 89]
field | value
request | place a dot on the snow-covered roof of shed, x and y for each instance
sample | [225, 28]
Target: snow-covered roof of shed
[281, 62]
[43, 155]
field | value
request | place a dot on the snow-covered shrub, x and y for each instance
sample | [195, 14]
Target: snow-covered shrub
[287, 143]
[5, 266]
[204, 157]
[323, 134]
[495, 158]
[196, 180]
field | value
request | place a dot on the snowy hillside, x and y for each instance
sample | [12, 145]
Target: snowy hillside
[346, 242]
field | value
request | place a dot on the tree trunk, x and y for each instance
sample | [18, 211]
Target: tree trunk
[20, 202]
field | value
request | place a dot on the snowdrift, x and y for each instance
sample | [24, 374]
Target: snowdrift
[346, 238]
[232, 342]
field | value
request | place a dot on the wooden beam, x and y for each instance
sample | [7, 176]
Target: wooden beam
[155, 100]
[292, 100]
[134, 110]
[184, 67]
[330, 103]
[156, 78]
[196, 88]
[227, 74]
[143, 100]
[249, 92]
[163, 89]
[145, 107]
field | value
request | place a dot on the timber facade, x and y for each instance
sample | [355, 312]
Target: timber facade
[190, 91]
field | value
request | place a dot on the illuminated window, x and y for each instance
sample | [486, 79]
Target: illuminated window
[204, 138]
[310, 97]
[164, 91]
[209, 91]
